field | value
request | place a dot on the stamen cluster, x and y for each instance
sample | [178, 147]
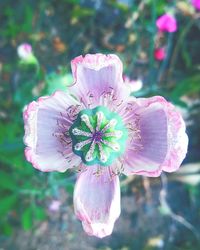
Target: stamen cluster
[98, 136]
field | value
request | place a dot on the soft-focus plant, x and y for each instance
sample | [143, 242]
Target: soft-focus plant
[26, 55]
[196, 4]
[166, 23]
[160, 54]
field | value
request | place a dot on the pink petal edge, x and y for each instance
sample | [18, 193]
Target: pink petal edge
[97, 76]
[96, 62]
[56, 161]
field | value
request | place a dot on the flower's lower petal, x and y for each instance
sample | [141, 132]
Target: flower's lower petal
[45, 124]
[163, 142]
[99, 230]
[97, 201]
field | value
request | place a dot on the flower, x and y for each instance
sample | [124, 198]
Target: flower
[26, 55]
[133, 85]
[54, 206]
[166, 23]
[102, 131]
[196, 4]
[160, 54]
[24, 51]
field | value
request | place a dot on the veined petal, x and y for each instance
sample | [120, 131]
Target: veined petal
[178, 140]
[46, 123]
[97, 201]
[95, 75]
[163, 141]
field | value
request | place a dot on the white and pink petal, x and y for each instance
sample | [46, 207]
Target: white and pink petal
[178, 140]
[46, 123]
[95, 75]
[97, 201]
[162, 142]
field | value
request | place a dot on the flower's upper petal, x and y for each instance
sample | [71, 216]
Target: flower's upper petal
[162, 142]
[45, 124]
[95, 75]
[97, 201]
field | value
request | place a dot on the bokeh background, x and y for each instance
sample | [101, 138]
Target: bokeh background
[36, 209]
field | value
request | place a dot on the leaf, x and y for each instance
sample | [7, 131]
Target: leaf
[28, 17]
[193, 179]
[70, 188]
[27, 218]
[15, 158]
[73, 1]
[120, 6]
[188, 86]
[79, 12]
[40, 213]
[190, 168]
[12, 147]
[159, 7]
[6, 229]
[6, 181]
[57, 81]
[188, 173]
[7, 203]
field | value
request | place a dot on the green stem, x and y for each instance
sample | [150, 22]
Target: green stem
[167, 58]
[177, 47]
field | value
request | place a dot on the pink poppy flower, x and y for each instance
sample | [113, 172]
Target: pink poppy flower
[196, 4]
[166, 23]
[26, 55]
[24, 51]
[102, 131]
[160, 54]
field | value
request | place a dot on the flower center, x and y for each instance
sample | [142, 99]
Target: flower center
[98, 136]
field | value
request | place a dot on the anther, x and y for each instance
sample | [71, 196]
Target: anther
[88, 157]
[80, 145]
[100, 117]
[114, 145]
[110, 124]
[118, 134]
[86, 120]
[77, 131]
[103, 158]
